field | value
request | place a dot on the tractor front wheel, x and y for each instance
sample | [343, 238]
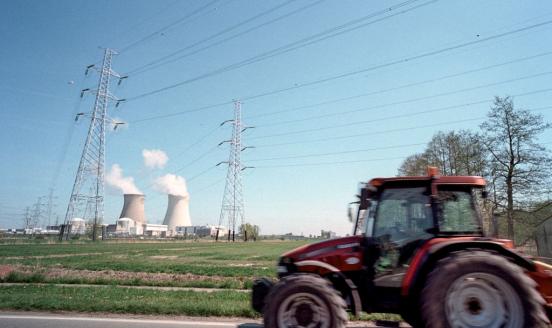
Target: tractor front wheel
[480, 289]
[304, 301]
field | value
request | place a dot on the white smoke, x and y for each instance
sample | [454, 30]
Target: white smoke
[154, 158]
[115, 179]
[171, 184]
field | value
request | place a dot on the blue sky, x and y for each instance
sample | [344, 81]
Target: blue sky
[47, 44]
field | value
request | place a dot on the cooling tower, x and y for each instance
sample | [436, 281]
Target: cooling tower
[178, 212]
[133, 208]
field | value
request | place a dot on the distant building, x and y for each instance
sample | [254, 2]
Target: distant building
[201, 231]
[155, 230]
[78, 226]
[128, 227]
[327, 234]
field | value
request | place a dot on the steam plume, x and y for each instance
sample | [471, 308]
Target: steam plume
[171, 184]
[154, 158]
[115, 179]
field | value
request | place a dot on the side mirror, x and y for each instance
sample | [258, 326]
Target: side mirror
[364, 194]
[350, 213]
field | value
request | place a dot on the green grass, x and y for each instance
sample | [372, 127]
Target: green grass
[126, 300]
[207, 259]
[219, 265]
[39, 277]
[137, 301]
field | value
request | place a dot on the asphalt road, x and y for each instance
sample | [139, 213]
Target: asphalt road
[23, 320]
[64, 321]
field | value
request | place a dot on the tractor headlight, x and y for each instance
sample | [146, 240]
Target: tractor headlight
[285, 266]
[281, 269]
[285, 260]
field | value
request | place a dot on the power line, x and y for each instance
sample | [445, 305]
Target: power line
[197, 142]
[141, 22]
[350, 136]
[336, 100]
[195, 160]
[201, 173]
[395, 116]
[356, 72]
[336, 153]
[333, 162]
[251, 29]
[210, 185]
[292, 46]
[147, 66]
[403, 60]
[403, 86]
[380, 132]
[182, 112]
[330, 163]
[166, 27]
[402, 102]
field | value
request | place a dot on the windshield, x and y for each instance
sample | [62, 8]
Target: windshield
[403, 213]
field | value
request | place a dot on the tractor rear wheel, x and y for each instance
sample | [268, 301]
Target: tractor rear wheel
[480, 289]
[304, 301]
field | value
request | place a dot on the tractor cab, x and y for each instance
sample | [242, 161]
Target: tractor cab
[403, 209]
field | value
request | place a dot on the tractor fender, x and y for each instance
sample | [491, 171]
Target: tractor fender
[427, 257]
[430, 253]
[340, 282]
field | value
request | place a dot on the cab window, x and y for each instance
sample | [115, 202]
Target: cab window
[457, 211]
[403, 214]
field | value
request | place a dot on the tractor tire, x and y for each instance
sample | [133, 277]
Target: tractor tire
[480, 289]
[304, 301]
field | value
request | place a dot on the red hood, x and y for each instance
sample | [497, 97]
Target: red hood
[307, 251]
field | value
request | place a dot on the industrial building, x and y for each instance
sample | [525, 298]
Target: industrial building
[201, 231]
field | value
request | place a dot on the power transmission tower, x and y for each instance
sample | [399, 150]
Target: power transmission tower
[232, 210]
[88, 187]
[50, 207]
[27, 219]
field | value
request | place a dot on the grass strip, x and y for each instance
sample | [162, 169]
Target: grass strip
[125, 300]
[38, 277]
[137, 301]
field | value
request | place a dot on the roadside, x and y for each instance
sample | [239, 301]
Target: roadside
[61, 319]
[121, 300]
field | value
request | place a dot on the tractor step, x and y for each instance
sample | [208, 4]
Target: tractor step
[387, 323]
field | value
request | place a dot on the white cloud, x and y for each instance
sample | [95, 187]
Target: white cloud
[155, 158]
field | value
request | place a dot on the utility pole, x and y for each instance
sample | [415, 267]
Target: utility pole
[88, 187]
[232, 209]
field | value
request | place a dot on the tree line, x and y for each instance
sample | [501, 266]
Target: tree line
[506, 151]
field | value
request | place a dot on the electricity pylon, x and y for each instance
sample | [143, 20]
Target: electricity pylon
[88, 188]
[232, 210]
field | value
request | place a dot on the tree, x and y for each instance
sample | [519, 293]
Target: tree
[253, 231]
[519, 166]
[454, 153]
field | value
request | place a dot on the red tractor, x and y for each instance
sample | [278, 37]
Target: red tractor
[418, 249]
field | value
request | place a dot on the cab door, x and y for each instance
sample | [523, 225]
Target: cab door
[402, 220]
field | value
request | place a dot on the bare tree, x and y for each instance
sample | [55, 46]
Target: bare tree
[519, 166]
[454, 153]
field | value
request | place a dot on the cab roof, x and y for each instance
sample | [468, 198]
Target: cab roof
[474, 181]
